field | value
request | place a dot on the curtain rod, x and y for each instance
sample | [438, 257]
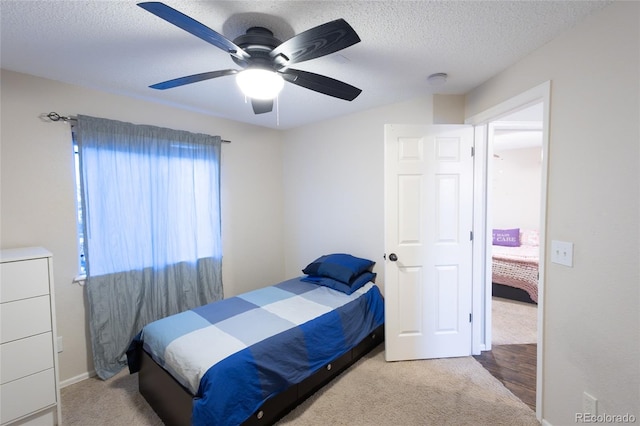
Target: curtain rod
[54, 116]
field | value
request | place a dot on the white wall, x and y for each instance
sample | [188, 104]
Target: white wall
[334, 184]
[591, 318]
[516, 188]
[38, 191]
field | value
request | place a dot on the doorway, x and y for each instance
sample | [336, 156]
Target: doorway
[485, 124]
[514, 193]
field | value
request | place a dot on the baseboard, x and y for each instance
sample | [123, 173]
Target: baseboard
[545, 423]
[76, 379]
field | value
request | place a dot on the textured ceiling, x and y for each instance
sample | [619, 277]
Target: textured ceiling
[118, 47]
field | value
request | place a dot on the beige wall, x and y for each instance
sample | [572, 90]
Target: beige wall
[38, 198]
[591, 317]
[448, 109]
[334, 184]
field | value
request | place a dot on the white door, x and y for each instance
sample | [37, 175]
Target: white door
[428, 224]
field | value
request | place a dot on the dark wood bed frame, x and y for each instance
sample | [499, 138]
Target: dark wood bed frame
[173, 402]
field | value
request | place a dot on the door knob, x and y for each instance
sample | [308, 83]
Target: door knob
[393, 257]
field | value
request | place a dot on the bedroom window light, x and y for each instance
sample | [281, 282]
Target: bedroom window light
[194, 174]
[82, 271]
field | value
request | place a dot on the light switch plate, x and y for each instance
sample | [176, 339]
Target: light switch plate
[562, 253]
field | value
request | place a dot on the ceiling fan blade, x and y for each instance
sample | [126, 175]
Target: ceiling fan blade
[169, 84]
[262, 106]
[318, 41]
[194, 27]
[322, 84]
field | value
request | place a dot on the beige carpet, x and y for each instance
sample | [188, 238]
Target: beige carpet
[513, 322]
[94, 402]
[456, 391]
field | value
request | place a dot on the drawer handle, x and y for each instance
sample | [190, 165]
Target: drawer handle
[328, 367]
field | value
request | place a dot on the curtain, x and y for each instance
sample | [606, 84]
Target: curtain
[151, 217]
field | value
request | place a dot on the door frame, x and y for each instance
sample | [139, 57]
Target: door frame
[481, 258]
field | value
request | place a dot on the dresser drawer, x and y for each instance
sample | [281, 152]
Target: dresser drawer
[24, 279]
[24, 318]
[27, 356]
[29, 394]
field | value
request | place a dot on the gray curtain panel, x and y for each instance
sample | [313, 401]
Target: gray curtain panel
[151, 215]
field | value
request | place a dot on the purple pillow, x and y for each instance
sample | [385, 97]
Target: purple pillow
[506, 237]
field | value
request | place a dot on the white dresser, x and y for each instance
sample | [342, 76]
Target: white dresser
[29, 390]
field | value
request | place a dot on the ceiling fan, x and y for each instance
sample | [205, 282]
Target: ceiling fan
[259, 52]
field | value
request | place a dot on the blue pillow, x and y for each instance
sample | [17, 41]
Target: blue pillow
[357, 282]
[339, 266]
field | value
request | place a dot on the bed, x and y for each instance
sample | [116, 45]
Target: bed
[515, 258]
[252, 358]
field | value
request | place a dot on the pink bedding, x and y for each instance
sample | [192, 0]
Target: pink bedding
[517, 267]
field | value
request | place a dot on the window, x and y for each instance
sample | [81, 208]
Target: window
[169, 197]
[82, 269]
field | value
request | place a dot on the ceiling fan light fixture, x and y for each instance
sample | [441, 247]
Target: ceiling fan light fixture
[258, 83]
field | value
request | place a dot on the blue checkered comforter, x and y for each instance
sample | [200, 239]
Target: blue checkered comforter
[236, 353]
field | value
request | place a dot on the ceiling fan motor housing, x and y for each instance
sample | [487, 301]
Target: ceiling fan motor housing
[258, 42]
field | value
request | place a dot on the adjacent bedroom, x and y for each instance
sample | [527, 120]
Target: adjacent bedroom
[515, 173]
[515, 212]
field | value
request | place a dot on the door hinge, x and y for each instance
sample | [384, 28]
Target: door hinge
[473, 151]
[470, 317]
[470, 235]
